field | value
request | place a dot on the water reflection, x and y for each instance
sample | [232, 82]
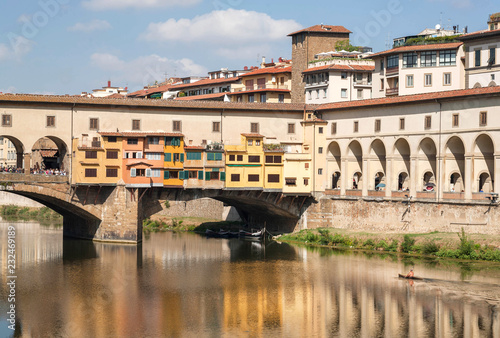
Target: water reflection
[187, 285]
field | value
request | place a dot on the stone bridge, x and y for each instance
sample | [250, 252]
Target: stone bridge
[115, 213]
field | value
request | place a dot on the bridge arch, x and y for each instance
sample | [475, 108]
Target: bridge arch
[50, 152]
[11, 152]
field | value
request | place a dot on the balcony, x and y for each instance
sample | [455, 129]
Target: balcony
[90, 144]
[260, 87]
[393, 71]
[392, 91]
[362, 83]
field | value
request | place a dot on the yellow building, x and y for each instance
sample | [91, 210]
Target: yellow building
[174, 161]
[249, 166]
[97, 160]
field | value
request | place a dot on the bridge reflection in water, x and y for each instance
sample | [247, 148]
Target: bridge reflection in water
[186, 285]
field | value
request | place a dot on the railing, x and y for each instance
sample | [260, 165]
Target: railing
[33, 178]
[89, 144]
[362, 83]
[259, 86]
[392, 91]
[392, 71]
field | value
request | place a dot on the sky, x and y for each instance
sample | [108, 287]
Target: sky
[72, 46]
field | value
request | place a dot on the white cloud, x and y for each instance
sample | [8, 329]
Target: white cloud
[11, 89]
[100, 5]
[91, 26]
[19, 46]
[223, 27]
[145, 69]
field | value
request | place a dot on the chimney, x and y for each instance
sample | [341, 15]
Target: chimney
[245, 68]
[109, 84]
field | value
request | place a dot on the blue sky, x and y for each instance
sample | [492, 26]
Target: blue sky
[70, 46]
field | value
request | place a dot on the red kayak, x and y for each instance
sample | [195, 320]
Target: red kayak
[414, 277]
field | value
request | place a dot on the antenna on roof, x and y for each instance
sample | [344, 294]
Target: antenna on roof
[388, 43]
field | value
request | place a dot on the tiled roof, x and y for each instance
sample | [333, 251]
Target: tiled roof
[418, 48]
[139, 133]
[411, 98]
[479, 34]
[201, 97]
[69, 101]
[204, 82]
[253, 135]
[323, 29]
[116, 96]
[48, 153]
[352, 68]
[269, 70]
[281, 90]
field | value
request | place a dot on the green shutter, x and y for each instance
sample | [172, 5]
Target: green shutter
[182, 157]
[181, 175]
[168, 157]
[218, 156]
[222, 176]
[200, 175]
[211, 156]
[166, 174]
[207, 176]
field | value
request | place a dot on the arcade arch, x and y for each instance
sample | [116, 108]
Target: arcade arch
[454, 164]
[355, 164]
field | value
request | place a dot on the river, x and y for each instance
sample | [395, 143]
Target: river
[185, 285]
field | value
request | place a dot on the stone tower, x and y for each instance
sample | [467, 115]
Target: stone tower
[305, 44]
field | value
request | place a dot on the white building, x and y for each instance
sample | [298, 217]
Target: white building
[338, 80]
[482, 67]
[418, 69]
[108, 91]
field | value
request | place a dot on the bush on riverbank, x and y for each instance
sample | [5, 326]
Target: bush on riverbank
[465, 249]
[149, 225]
[13, 212]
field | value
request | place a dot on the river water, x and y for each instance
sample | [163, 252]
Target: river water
[185, 285]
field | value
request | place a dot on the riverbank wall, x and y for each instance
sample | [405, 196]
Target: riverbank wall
[401, 215]
[17, 200]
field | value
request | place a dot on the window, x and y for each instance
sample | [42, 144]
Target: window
[51, 121]
[428, 80]
[93, 123]
[193, 156]
[320, 130]
[320, 150]
[455, 120]
[214, 156]
[90, 172]
[428, 122]
[447, 79]
[320, 171]
[447, 58]
[317, 93]
[482, 118]
[251, 98]
[325, 91]
[334, 128]
[250, 142]
[290, 181]
[111, 139]
[263, 98]
[235, 177]
[382, 64]
[409, 60]
[306, 181]
[6, 120]
[193, 174]
[111, 154]
[136, 124]
[343, 75]
[477, 58]
[216, 127]
[173, 174]
[239, 158]
[401, 123]
[153, 140]
[232, 157]
[132, 141]
[343, 93]
[176, 126]
[306, 165]
[291, 128]
[155, 173]
[253, 177]
[392, 61]
[360, 94]
[281, 98]
[257, 142]
[409, 81]
[273, 159]
[253, 158]
[153, 156]
[111, 172]
[91, 154]
[428, 59]
[492, 59]
[377, 125]
[214, 175]
[254, 128]
[273, 178]
[173, 141]
[356, 126]
[382, 84]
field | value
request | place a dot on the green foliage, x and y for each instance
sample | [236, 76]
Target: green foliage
[345, 45]
[466, 247]
[394, 246]
[312, 237]
[429, 41]
[430, 247]
[167, 204]
[369, 244]
[408, 243]
[40, 214]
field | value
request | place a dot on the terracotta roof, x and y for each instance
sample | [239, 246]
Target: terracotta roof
[116, 96]
[479, 34]
[418, 48]
[204, 82]
[352, 68]
[69, 101]
[201, 97]
[323, 29]
[282, 90]
[411, 98]
[269, 70]
[48, 153]
[140, 133]
[253, 135]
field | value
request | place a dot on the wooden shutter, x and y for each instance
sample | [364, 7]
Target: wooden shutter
[200, 175]
[222, 176]
[132, 172]
[207, 176]
[166, 174]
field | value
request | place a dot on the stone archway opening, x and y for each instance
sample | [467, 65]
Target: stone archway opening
[379, 181]
[456, 184]
[429, 182]
[357, 180]
[403, 182]
[485, 184]
[11, 154]
[50, 155]
[336, 180]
